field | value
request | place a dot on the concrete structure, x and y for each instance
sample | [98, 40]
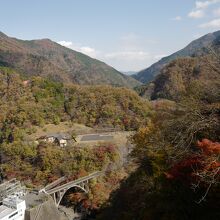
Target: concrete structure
[12, 208]
[40, 206]
[11, 187]
[57, 190]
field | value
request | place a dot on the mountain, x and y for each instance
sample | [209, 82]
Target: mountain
[195, 48]
[49, 59]
[181, 74]
[129, 73]
[184, 75]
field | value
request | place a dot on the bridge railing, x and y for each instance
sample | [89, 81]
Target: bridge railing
[74, 182]
[55, 183]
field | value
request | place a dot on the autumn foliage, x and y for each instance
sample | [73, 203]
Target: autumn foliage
[208, 147]
[203, 166]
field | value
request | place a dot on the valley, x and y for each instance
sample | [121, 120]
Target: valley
[79, 134]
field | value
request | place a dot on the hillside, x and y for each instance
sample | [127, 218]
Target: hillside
[178, 152]
[40, 101]
[39, 106]
[48, 59]
[179, 76]
[195, 48]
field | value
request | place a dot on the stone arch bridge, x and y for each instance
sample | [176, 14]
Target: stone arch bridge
[57, 190]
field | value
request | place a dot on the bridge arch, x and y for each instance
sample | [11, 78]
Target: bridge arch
[60, 195]
[57, 191]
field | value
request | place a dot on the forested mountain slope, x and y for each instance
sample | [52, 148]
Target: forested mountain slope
[175, 78]
[196, 48]
[39, 101]
[27, 105]
[178, 152]
[47, 58]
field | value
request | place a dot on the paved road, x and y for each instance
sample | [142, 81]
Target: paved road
[97, 137]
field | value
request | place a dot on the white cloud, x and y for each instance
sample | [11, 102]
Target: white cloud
[202, 5]
[196, 14]
[132, 53]
[65, 43]
[211, 24]
[177, 18]
[201, 8]
[131, 60]
[205, 4]
[82, 49]
[216, 12]
[89, 51]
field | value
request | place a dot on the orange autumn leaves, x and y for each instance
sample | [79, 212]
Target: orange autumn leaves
[208, 147]
[203, 166]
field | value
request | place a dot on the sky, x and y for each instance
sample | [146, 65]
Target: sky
[129, 35]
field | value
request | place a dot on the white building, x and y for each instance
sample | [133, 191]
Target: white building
[12, 208]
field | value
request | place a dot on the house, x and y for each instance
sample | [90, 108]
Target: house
[12, 208]
[59, 139]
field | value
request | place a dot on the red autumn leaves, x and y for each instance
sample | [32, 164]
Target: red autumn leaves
[203, 166]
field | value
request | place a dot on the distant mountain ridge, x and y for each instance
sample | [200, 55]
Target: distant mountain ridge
[182, 74]
[49, 59]
[129, 73]
[195, 48]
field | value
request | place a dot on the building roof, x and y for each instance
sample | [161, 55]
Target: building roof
[10, 206]
[58, 136]
[12, 201]
[5, 211]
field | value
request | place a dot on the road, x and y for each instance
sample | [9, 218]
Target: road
[118, 138]
[97, 137]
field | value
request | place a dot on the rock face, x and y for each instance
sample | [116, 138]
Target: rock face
[47, 58]
[195, 48]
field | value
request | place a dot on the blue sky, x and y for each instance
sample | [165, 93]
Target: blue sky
[128, 34]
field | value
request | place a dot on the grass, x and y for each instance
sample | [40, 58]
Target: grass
[62, 127]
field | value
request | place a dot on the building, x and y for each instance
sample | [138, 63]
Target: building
[12, 208]
[11, 187]
[59, 139]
